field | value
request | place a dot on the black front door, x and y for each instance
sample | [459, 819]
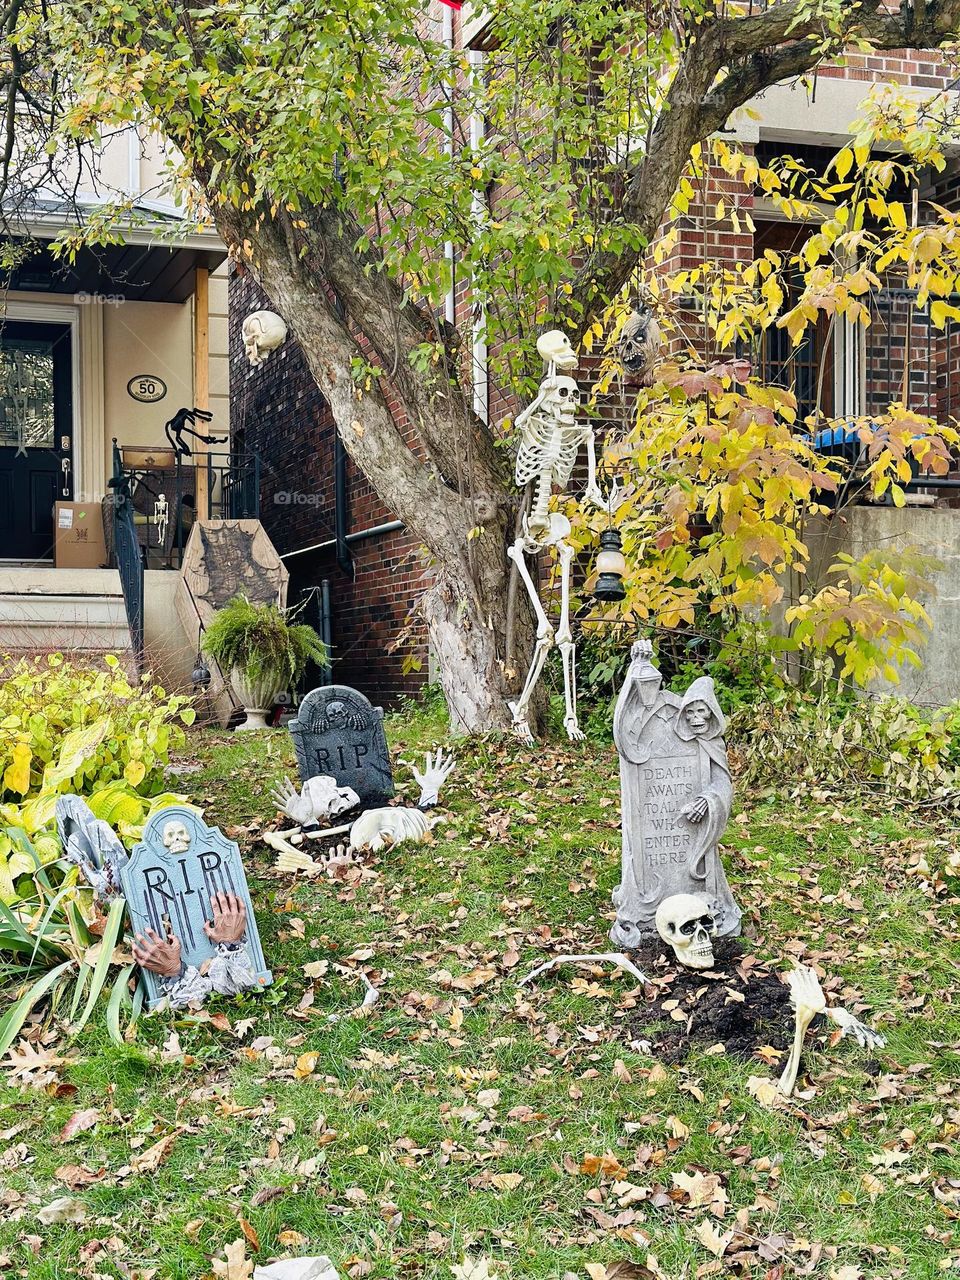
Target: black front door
[36, 435]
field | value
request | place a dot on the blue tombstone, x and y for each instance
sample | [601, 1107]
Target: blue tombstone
[172, 874]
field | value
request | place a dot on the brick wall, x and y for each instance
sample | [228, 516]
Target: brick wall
[278, 412]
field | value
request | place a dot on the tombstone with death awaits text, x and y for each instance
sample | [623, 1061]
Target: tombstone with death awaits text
[676, 795]
[339, 734]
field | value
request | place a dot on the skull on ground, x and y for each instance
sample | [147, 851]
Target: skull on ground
[685, 922]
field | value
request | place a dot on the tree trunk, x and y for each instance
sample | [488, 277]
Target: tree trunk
[466, 522]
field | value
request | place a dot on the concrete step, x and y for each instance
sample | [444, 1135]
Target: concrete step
[69, 610]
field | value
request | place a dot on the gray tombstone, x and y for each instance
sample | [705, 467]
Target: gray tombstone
[339, 733]
[676, 794]
[172, 874]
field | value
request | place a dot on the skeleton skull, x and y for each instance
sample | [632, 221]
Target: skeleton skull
[555, 348]
[263, 332]
[326, 799]
[176, 837]
[697, 715]
[562, 399]
[686, 923]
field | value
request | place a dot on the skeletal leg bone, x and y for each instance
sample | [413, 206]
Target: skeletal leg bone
[564, 641]
[808, 1000]
[604, 957]
[544, 642]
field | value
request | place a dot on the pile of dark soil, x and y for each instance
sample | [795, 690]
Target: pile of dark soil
[739, 1004]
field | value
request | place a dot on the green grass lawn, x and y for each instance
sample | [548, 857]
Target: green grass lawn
[466, 1115]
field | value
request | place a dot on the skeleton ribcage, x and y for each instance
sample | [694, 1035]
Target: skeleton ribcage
[548, 446]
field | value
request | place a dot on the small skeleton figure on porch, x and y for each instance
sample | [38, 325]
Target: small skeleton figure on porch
[550, 439]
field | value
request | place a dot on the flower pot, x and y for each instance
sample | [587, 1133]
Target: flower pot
[257, 696]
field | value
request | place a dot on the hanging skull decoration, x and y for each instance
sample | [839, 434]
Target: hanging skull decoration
[176, 837]
[685, 922]
[639, 343]
[262, 332]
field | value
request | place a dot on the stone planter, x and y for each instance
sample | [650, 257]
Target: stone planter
[258, 697]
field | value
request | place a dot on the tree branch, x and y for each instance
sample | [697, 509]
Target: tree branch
[726, 64]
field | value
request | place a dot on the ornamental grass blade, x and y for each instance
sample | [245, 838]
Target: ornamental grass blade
[16, 1016]
[119, 997]
[111, 935]
[139, 996]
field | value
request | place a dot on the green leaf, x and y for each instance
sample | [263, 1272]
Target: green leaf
[16, 1016]
[111, 934]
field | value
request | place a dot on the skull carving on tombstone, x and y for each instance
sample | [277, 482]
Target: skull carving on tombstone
[176, 837]
[263, 332]
[685, 922]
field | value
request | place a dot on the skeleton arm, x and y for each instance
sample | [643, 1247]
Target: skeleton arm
[437, 768]
[593, 493]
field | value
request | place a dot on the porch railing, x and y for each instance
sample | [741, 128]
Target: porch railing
[166, 489]
[129, 564]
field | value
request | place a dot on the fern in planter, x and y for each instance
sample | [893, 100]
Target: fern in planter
[259, 642]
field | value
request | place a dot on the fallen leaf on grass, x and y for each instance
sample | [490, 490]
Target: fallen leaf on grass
[250, 1231]
[66, 1209]
[79, 1122]
[472, 1269]
[234, 1264]
[506, 1181]
[306, 1064]
[623, 1270]
[704, 1189]
[152, 1158]
[711, 1239]
[78, 1175]
[290, 1239]
[764, 1090]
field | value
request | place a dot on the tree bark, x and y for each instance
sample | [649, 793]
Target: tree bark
[465, 527]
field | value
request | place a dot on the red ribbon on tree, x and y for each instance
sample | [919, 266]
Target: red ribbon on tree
[453, 4]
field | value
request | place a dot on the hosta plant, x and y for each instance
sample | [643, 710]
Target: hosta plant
[65, 727]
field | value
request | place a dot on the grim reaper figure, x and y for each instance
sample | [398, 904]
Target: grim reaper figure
[701, 722]
[675, 796]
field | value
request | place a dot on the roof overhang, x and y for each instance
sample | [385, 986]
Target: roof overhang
[155, 263]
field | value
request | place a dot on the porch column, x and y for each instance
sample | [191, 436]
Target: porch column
[201, 382]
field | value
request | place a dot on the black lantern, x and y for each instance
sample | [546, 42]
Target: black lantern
[611, 567]
[201, 674]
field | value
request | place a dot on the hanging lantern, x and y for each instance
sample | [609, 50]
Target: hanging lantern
[201, 674]
[611, 567]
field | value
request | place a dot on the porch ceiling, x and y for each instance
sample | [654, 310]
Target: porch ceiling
[134, 272]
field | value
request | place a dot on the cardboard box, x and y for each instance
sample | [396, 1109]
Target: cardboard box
[78, 536]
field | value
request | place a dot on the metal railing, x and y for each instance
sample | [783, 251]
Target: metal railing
[129, 558]
[164, 486]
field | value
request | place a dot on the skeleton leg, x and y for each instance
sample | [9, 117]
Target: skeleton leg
[542, 647]
[565, 644]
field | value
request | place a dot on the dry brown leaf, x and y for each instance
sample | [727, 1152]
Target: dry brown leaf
[79, 1122]
[711, 1239]
[291, 1239]
[234, 1265]
[152, 1158]
[506, 1181]
[250, 1231]
[306, 1064]
[78, 1175]
[66, 1209]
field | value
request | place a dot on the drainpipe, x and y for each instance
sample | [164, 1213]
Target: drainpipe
[341, 507]
[326, 631]
[478, 354]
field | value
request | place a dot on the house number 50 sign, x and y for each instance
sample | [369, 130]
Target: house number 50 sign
[146, 388]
